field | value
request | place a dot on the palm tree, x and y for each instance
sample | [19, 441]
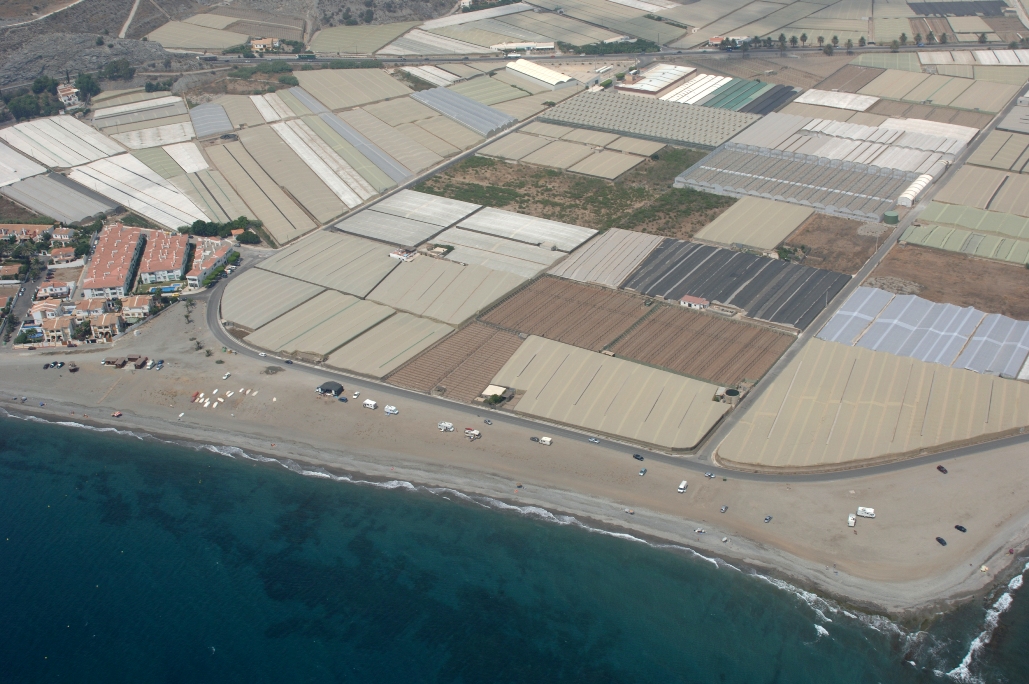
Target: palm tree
[918, 39]
[782, 45]
[895, 46]
[903, 39]
[782, 37]
[850, 46]
[835, 41]
[821, 41]
[931, 38]
[861, 41]
[803, 40]
[943, 39]
[982, 38]
[793, 41]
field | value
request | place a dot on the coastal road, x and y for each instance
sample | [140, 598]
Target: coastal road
[464, 414]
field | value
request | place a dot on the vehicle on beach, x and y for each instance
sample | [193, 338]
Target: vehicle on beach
[391, 410]
[116, 414]
[472, 434]
[60, 364]
[262, 355]
[866, 512]
[643, 471]
[226, 376]
[546, 441]
[73, 367]
[445, 427]
[356, 395]
[768, 518]
[534, 439]
[709, 475]
[942, 541]
[960, 528]
[941, 469]
[724, 509]
[682, 486]
[630, 511]
[289, 362]
[593, 440]
[370, 404]
[637, 457]
[343, 399]
[851, 520]
[488, 421]
[46, 366]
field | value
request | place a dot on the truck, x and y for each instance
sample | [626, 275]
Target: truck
[546, 441]
[866, 512]
[370, 404]
[445, 427]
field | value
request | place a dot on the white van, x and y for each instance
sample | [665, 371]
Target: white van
[546, 441]
[866, 512]
[369, 404]
[682, 486]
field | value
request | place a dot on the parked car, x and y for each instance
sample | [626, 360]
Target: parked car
[60, 364]
[226, 376]
[709, 475]
[941, 469]
[960, 528]
[534, 439]
[643, 471]
[942, 541]
[46, 366]
[488, 421]
[289, 362]
[593, 440]
[768, 518]
[262, 354]
[724, 509]
[637, 457]
[343, 399]
[391, 410]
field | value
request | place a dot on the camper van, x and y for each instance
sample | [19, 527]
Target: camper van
[682, 486]
[369, 404]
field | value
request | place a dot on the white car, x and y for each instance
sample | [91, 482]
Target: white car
[391, 410]
[226, 376]
[262, 354]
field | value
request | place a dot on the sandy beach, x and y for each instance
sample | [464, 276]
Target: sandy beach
[891, 564]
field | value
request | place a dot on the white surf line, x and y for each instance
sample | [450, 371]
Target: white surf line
[963, 672]
[125, 26]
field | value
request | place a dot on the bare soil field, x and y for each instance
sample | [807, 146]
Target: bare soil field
[942, 114]
[582, 315]
[850, 78]
[704, 346]
[641, 200]
[830, 242]
[15, 213]
[803, 73]
[939, 27]
[951, 278]
[1008, 29]
[461, 365]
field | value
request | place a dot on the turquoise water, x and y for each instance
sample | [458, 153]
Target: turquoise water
[134, 560]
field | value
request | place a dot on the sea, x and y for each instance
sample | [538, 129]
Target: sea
[126, 558]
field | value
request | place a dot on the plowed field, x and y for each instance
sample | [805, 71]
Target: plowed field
[462, 365]
[581, 315]
[704, 345]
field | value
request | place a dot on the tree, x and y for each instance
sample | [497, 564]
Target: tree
[943, 39]
[1013, 45]
[782, 38]
[368, 14]
[835, 41]
[99, 40]
[828, 50]
[289, 79]
[903, 39]
[861, 41]
[248, 237]
[803, 40]
[850, 46]
[87, 85]
[782, 45]
[918, 39]
[24, 107]
[44, 84]
[793, 41]
[118, 70]
[982, 38]
[931, 38]
[821, 41]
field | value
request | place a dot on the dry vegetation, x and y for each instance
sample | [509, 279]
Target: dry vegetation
[832, 243]
[641, 200]
[15, 213]
[951, 278]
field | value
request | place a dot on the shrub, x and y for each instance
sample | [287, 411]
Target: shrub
[118, 70]
[289, 79]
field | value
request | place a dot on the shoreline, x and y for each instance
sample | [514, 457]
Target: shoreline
[805, 585]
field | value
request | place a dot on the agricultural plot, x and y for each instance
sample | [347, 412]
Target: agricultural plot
[403, 149]
[240, 109]
[282, 218]
[766, 289]
[528, 229]
[833, 243]
[255, 297]
[157, 136]
[836, 406]
[443, 290]
[345, 88]
[212, 193]
[59, 198]
[564, 384]
[178, 34]
[580, 315]
[358, 40]
[388, 345]
[59, 142]
[341, 262]
[608, 259]
[755, 222]
[496, 253]
[1003, 150]
[461, 366]
[703, 346]
[320, 325]
[14, 167]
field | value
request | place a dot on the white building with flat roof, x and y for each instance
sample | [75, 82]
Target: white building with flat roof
[540, 75]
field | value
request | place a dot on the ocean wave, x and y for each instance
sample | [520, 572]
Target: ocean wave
[822, 631]
[964, 671]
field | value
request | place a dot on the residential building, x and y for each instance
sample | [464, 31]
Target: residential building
[105, 326]
[62, 255]
[68, 95]
[164, 258]
[58, 330]
[55, 290]
[87, 308]
[136, 307]
[61, 236]
[45, 310]
[210, 254]
[691, 302]
[23, 231]
[263, 44]
[113, 266]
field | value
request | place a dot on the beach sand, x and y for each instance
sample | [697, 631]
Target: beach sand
[892, 564]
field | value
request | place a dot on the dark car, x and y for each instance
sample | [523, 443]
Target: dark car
[343, 399]
[960, 528]
[288, 361]
[768, 518]
[46, 366]
[942, 541]
[941, 469]
[637, 457]
[535, 439]
[60, 364]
